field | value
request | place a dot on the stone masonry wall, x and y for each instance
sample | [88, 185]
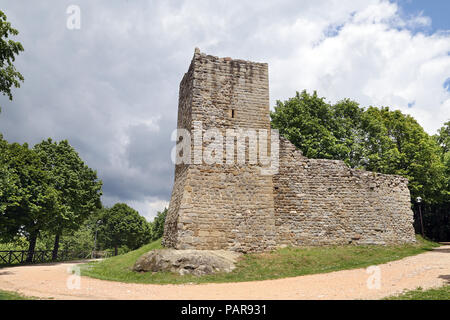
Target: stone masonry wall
[309, 201]
[322, 202]
[222, 206]
[181, 170]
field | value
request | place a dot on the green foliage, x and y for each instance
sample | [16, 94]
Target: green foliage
[443, 137]
[397, 144]
[17, 244]
[443, 140]
[44, 191]
[8, 189]
[29, 199]
[376, 139]
[319, 129]
[77, 185]
[6, 295]
[123, 226]
[81, 240]
[9, 76]
[157, 226]
[442, 293]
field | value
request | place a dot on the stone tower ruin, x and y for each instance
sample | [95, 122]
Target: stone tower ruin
[238, 207]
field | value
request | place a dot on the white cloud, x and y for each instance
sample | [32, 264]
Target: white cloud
[369, 59]
[111, 88]
[149, 208]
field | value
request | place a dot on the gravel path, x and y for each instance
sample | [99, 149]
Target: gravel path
[430, 269]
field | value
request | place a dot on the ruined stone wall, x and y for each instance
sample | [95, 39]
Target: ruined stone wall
[309, 201]
[323, 202]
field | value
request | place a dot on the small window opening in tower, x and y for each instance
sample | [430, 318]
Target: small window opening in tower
[232, 113]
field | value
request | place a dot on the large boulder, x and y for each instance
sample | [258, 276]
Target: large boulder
[197, 262]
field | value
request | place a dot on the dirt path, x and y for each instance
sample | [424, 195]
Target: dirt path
[426, 270]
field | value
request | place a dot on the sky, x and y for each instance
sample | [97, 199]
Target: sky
[437, 10]
[110, 87]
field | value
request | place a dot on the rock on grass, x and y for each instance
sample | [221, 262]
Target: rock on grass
[196, 262]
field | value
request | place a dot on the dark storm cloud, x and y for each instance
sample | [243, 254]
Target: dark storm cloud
[148, 169]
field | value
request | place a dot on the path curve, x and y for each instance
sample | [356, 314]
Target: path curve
[427, 270]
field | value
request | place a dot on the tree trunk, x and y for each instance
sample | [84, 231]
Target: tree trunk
[115, 250]
[56, 247]
[32, 246]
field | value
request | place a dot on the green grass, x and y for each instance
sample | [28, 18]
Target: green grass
[442, 293]
[6, 295]
[282, 263]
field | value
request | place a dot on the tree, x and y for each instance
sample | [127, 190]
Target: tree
[319, 129]
[77, 186]
[305, 121]
[376, 139]
[29, 199]
[349, 132]
[8, 192]
[81, 240]
[443, 140]
[395, 143]
[9, 76]
[8, 195]
[123, 226]
[443, 137]
[157, 226]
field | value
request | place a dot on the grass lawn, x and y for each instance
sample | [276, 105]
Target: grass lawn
[442, 293]
[6, 295]
[282, 263]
